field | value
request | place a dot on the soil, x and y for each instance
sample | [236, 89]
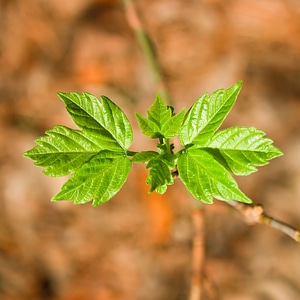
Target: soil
[139, 245]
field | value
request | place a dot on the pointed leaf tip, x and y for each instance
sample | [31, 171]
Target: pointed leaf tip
[97, 180]
[207, 114]
[95, 154]
[242, 149]
[161, 121]
[206, 179]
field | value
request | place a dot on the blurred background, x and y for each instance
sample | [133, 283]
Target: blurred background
[138, 246]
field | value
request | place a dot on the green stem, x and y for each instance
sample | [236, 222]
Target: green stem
[147, 48]
[167, 142]
[131, 153]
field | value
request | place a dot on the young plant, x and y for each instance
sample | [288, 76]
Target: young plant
[98, 155]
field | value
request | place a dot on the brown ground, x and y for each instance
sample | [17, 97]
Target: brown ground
[136, 246]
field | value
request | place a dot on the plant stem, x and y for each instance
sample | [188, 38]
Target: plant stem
[197, 212]
[131, 153]
[254, 214]
[167, 142]
[147, 48]
[198, 253]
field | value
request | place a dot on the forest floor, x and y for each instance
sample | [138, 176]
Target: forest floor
[138, 246]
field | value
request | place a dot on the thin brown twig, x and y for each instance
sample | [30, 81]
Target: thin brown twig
[197, 255]
[254, 214]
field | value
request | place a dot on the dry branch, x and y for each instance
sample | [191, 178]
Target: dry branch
[254, 214]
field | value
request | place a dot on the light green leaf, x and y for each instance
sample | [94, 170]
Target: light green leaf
[171, 128]
[148, 127]
[207, 114]
[88, 112]
[161, 121]
[96, 154]
[241, 149]
[64, 150]
[159, 113]
[98, 179]
[159, 176]
[206, 178]
[160, 166]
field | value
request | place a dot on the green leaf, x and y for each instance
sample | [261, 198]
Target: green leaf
[159, 113]
[159, 176]
[64, 150]
[161, 121]
[241, 149]
[148, 127]
[160, 166]
[172, 127]
[88, 112]
[96, 154]
[98, 179]
[207, 114]
[206, 178]
[144, 156]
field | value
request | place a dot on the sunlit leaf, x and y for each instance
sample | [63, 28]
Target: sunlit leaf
[161, 121]
[206, 179]
[159, 176]
[242, 149]
[99, 179]
[88, 112]
[144, 156]
[104, 138]
[207, 114]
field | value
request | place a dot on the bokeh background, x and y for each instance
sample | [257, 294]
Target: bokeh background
[138, 246]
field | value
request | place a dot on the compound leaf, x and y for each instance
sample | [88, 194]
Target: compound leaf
[95, 154]
[207, 114]
[99, 179]
[103, 124]
[206, 178]
[242, 149]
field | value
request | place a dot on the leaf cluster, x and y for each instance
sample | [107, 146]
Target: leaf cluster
[98, 157]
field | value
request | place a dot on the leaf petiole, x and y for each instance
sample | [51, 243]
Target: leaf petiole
[131, 153]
